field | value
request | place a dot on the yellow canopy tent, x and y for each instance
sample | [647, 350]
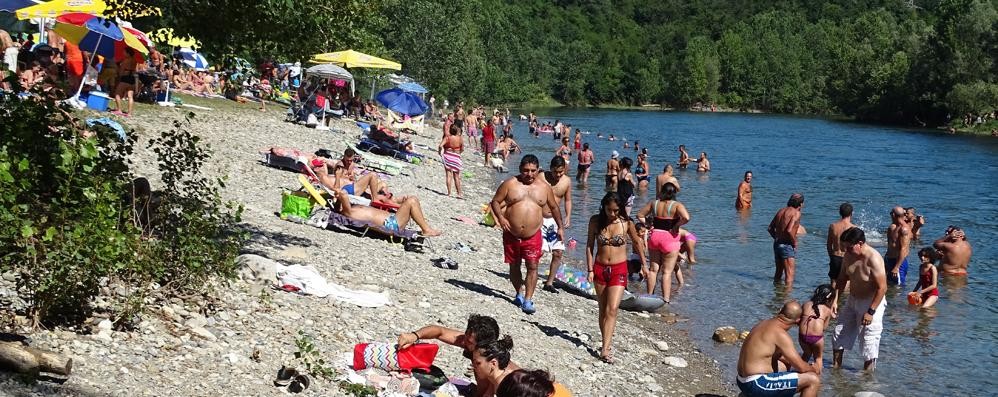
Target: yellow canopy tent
[123, 9]
[354, 59]
[166, 36]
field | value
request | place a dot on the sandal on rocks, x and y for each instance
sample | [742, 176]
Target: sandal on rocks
[300, 384]
[445, 263]
[285, 376]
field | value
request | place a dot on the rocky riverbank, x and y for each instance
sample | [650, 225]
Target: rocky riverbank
[233, 346]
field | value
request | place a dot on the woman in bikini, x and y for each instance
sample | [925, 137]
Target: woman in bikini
[606, 258]
[813, 321]
[127, 83]
[642, 170]
[564, 151]
[664, 242]
[450, 149]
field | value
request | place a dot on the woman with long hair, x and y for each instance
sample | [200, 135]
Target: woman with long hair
[606, 258]
[664, 241]
[450, 153]
[625, 184]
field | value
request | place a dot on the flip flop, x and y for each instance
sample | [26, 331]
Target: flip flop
[299, 384]
[284, 376]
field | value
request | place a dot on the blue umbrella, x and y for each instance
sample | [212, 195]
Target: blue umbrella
[14, 5]
[402, 102]
[413, 87]
[193, 59]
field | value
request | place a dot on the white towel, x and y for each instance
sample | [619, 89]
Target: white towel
[310, 282]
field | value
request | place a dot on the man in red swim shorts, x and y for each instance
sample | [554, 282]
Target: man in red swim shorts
[518, 206]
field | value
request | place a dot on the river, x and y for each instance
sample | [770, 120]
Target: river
[951, 180]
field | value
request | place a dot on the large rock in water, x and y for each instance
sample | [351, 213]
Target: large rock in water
[726, 334]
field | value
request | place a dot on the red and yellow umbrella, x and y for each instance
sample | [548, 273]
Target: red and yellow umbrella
[98, 35]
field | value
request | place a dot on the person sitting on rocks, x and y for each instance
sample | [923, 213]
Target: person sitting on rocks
[410, 209]
[491, 363]
[480, 330]
[768, 357]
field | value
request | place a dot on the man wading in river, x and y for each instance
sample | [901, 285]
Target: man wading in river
[783, 229]
[898, 244]
[518, 206]
[863, 314]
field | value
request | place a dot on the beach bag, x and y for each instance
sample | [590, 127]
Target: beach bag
[386, 356]
[297, 204]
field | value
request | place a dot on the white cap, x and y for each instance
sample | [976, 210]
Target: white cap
[614, 154]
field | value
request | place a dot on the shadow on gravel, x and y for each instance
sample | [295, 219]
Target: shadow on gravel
[555, 331]
[271, 239]
[502, 275]
[432, 190]
[13, 384]
[708, 395]
[479, 288]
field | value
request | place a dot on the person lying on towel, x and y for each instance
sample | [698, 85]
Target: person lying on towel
[410, 209]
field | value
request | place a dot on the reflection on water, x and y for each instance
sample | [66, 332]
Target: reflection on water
[923, 352]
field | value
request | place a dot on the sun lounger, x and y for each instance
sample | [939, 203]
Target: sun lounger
[381, 163]
[328, 219]
[281, 162]
[386, 149]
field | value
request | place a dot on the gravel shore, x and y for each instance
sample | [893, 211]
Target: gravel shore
[235, 345]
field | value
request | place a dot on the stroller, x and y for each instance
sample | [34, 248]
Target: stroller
[147, 92]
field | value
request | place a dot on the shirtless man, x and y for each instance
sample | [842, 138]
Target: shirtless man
[703, 165]
[586, 159]
[898, 244]
[916, 221]
[863, 314]
[684, 158]
[612, 168]
[955, 250]
[471, 124]
[783, 229]
[663, 178]
[518, 207]
[834, 244]
[481, 330]
[768, 355]
[744, 199]
[561, 184]
[410, 209]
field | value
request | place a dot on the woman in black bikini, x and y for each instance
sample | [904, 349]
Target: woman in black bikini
[127, 81]
[606, 257]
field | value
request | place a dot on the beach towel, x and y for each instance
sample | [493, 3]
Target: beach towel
[387, 356]
[308, 281]
[452, 161]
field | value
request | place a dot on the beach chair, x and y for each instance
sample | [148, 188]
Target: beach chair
[399, 122]
[379, 163]
[282, 162]
[324, 217]
[387, 149]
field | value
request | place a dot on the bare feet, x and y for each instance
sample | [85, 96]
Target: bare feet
[431, 233]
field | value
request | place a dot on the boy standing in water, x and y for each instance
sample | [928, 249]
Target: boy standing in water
[834, 245]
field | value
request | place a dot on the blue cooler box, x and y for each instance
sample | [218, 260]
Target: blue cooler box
[98, 101]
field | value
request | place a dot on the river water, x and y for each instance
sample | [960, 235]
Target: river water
[951, 180]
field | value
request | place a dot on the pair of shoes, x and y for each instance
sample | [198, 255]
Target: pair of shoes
[550, 288]
[518, 301]
[445, 263]
[289, 377]
[528, 307]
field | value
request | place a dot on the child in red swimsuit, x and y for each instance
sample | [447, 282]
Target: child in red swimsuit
[928, 278]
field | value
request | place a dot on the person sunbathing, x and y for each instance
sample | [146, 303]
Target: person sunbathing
[410, 209]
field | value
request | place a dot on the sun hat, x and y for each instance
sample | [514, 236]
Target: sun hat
[614, 154]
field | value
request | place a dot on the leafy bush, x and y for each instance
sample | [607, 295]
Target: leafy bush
[67, 223]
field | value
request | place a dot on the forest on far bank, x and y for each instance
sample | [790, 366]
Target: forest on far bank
[916, 62]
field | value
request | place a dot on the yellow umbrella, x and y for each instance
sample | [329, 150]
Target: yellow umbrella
[165, 36]
[55, 8]
[117, 8]
[354, 59]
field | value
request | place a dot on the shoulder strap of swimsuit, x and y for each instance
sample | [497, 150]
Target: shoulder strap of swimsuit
[668, 210]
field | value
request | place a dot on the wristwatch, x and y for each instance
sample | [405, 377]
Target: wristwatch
[871, 311]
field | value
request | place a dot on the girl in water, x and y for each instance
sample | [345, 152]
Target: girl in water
[927, 289]
[813, 321]
[564, 151]
[606, 258]
[642, 169]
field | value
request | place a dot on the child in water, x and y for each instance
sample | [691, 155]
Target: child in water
[927, 289]
[813, 321]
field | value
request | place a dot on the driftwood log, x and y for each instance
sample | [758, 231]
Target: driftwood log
[27, 360]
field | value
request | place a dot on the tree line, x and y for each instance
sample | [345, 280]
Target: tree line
[899, 61]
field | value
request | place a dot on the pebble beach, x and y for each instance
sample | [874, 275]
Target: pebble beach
[234, 345]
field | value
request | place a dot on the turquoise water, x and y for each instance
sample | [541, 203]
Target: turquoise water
[947, 350]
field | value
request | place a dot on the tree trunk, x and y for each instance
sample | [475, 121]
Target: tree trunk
[19, 358]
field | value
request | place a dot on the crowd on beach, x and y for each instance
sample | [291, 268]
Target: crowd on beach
[534, 207]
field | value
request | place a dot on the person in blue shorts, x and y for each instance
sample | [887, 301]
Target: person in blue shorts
[769, 365]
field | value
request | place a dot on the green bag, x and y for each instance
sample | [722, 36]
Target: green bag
[298, 204]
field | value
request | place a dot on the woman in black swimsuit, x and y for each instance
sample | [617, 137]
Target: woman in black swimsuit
[606, 258]
[126, 82]
[625, 185]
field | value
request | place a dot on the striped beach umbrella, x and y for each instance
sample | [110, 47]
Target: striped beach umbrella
[193, 59]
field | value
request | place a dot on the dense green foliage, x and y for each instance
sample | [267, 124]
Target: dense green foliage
[915, 61]
[68, 214]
